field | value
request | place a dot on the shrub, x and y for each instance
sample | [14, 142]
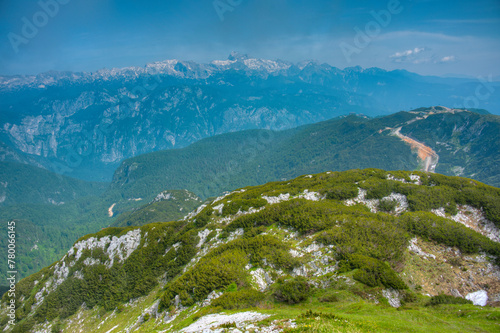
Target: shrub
[231, 208]
[294, 290]
[342, 192]
[228, 325]
[447, 299]
[231, 288]
[378, 188]
[387, 205]
[372, 272]
[329, 297]
[313, 314]
[211, 273]
[370, 236]
[57, 327]
[445, 231]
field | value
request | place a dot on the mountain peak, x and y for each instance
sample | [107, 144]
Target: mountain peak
[237, 56]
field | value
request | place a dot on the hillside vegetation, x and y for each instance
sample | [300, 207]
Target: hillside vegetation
[338, 246]
[25, 184]
[467, 144]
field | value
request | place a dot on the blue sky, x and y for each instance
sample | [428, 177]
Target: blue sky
[424, 36]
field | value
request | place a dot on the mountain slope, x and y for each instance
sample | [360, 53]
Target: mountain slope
[229, 161]
[85, 124]
[344, 245]
[26, 184]
[468, 144]
[167, 206]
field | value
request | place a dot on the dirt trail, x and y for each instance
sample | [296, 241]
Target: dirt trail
[428, 156]
[110, 210]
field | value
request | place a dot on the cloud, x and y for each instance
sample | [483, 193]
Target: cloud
[448, 59]
[419, 55]
[416, 55]
[407, 53]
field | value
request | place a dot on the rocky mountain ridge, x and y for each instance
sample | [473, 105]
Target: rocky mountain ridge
[366, 239]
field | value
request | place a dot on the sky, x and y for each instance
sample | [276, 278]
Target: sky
[429, 37]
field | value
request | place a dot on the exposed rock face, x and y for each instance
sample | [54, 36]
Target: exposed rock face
[392, 297]
[413, 247]
[207, 323]
[116, 247]
[261, 279]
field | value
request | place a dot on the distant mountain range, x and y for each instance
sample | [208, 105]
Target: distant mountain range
[84, 124]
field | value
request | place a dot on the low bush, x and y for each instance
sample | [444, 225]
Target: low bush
[293, 290]
[231, 208]
[387, 205]
[342, 192]
[447, 299]
[448, 232]
[372, 272]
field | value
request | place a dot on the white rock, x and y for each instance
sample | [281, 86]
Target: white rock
[300, 271]
[213, 295]
[415, 249]
[122, 247]
[164, 196]
[278, 199]
[194, 213]
[400, 199]
[295, 254]
[361, 198]
[218, 208]
[313, 196]
[313, 247]
[203, 236]
[261, 278]
[479, 297]
[393, 297]
[206, 323]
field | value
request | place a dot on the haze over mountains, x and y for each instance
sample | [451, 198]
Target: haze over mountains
[84, 124]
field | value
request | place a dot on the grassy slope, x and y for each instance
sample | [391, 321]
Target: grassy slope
[369, 249]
